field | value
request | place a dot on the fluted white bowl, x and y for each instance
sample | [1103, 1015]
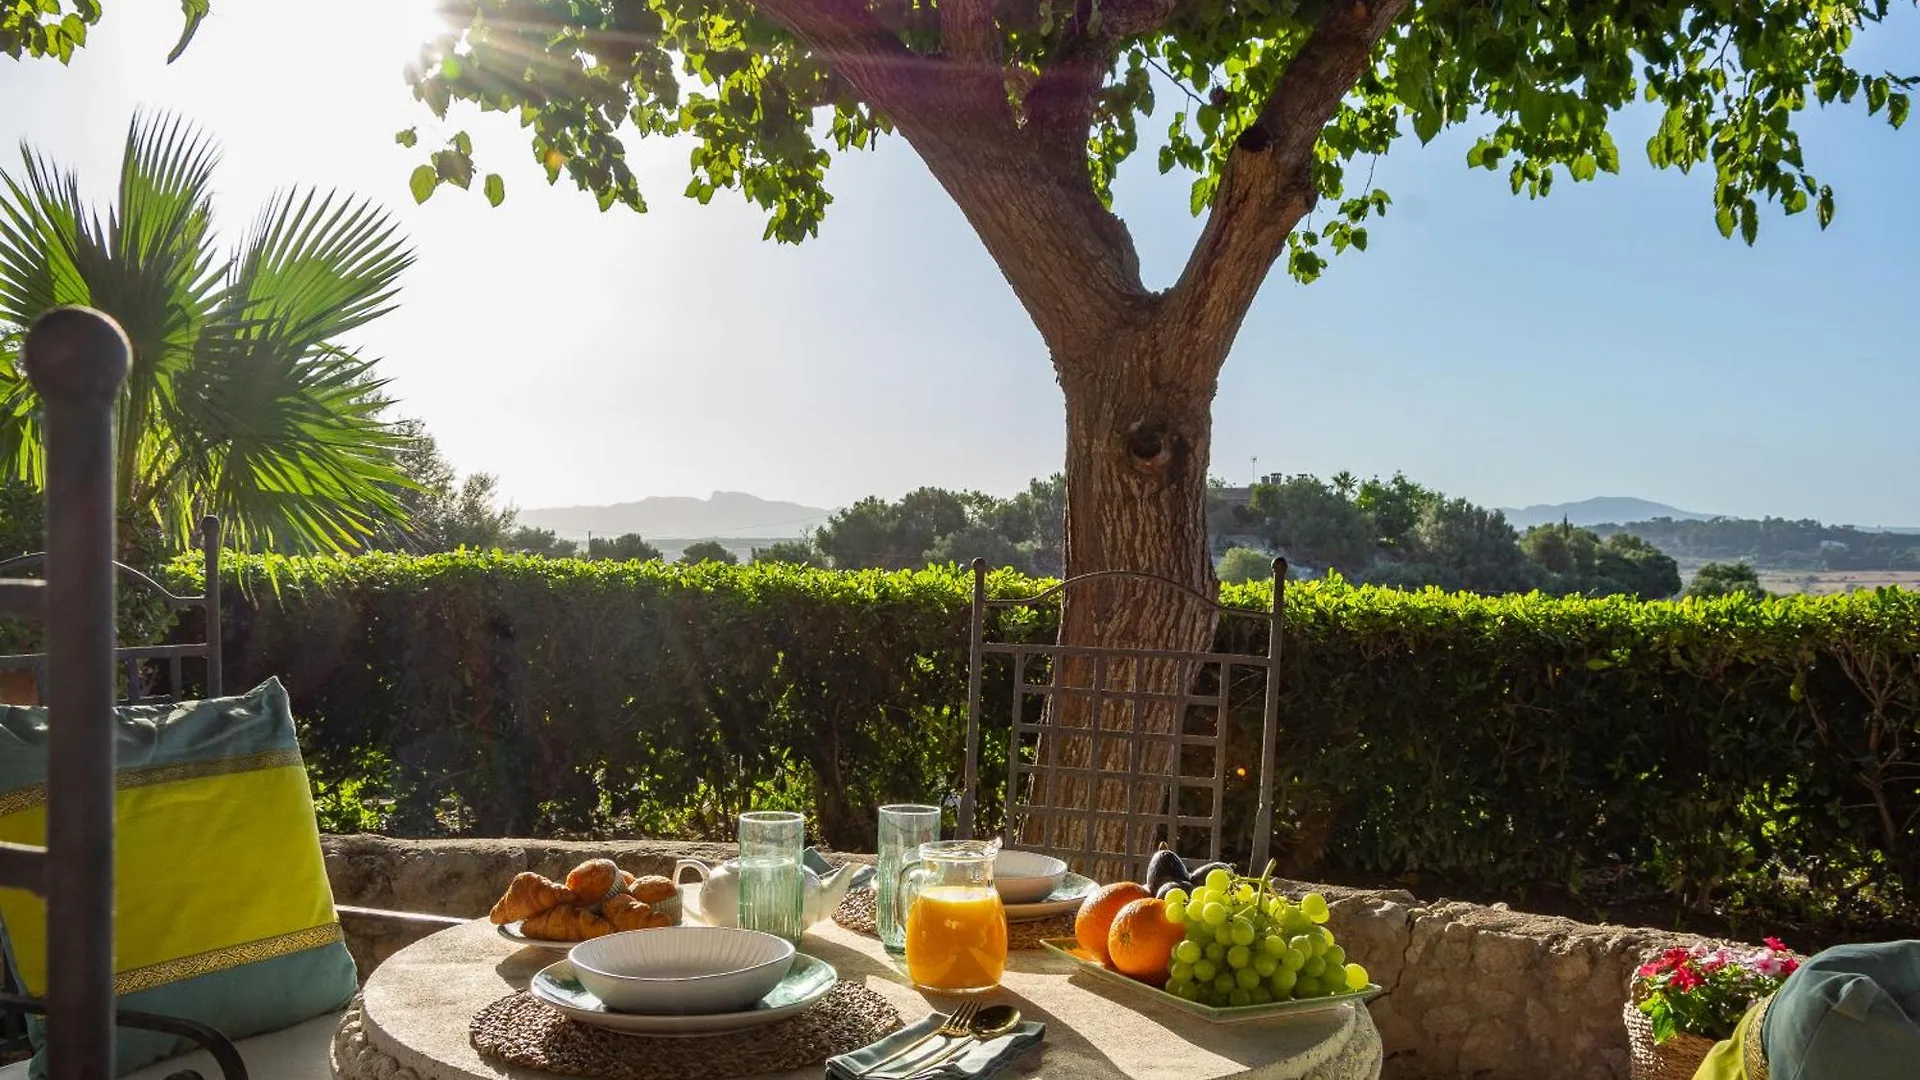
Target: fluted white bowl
[682, 970]
[1026, 877]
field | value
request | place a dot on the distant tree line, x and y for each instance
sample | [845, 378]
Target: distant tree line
[1400, 533]
[1779, 544]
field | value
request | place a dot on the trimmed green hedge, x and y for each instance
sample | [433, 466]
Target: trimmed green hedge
[1504, 740]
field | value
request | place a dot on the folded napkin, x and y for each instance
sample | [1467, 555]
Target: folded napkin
[980, 1059]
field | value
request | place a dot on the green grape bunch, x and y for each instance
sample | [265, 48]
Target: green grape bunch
[1248, 944]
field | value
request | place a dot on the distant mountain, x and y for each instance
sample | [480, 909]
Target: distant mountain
[725, 514]
[1605, 510]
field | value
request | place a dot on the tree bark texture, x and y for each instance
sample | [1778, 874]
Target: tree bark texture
[1138, 367]
[1139, 435]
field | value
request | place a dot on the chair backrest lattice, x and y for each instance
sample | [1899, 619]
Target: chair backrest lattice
[151, 674]
[1156, 727]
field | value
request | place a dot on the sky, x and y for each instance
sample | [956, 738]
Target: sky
[1603, 341]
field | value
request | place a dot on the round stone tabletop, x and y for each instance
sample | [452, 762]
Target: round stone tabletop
[411, 1022]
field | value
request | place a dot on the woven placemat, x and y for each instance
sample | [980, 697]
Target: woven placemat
[855, 913]
[521, 1030]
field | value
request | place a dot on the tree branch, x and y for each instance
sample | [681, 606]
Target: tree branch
[967, 33]
[847, 37]
[1267, 185]
[1068, 259]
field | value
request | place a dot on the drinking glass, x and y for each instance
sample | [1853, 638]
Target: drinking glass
[903, 828]
[956, 926]
[772, 887]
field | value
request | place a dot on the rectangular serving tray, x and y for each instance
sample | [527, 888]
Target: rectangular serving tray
[1071, 949]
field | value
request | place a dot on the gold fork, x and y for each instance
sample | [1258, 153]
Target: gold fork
[958, 1023]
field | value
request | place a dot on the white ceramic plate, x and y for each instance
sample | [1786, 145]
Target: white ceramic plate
[1065, 897]
[511, 931]
[807, 982]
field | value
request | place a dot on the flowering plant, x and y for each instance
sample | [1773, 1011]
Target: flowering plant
[1704, 991]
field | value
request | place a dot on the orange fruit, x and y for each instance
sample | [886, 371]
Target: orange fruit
[1097, 911]
[1141, 942]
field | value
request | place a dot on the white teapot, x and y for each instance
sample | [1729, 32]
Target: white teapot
[717, 901]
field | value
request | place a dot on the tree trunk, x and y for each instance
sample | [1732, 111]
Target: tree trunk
[1139, 432]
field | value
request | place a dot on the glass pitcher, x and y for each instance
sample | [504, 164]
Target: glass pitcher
[956, 926]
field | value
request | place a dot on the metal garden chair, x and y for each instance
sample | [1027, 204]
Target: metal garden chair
[1146, 707]
[77, 359]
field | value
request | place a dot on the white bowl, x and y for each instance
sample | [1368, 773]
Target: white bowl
[1026, 877]
[682, 970]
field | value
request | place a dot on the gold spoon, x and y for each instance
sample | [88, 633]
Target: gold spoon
[989, 1023]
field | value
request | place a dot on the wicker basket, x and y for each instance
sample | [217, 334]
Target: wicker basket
[1676, 1059]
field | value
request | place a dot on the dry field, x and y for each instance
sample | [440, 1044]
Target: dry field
[1836, 581]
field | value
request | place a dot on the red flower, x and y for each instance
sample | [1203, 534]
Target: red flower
[1684, 980]
[1789, 965]
[1646, 970]
[1775, 944]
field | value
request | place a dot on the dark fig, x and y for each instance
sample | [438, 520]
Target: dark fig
[1199, 873]
[1165, 868]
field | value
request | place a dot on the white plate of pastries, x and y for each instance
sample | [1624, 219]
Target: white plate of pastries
[597, 898]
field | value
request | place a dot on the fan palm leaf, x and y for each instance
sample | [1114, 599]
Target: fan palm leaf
[241, 399]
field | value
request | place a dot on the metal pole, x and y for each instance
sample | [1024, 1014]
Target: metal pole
[77, 359]
[970, 776]
[1270, 720]
[210, 546]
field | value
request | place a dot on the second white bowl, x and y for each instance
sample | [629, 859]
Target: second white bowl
[1026, 877]
[682, 970]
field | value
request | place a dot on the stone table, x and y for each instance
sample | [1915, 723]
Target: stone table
[411, 1020]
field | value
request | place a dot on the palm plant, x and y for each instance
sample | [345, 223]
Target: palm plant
[241, 400]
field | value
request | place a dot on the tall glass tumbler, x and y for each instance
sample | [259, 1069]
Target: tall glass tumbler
[772, 886]
[903, 828]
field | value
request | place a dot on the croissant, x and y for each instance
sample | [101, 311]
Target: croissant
[626, 913]
[529, 894]
[653, 888]
[593, 880]
[567, 922]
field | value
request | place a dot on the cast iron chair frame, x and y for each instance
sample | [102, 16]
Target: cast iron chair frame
[1027, 804]
[134, 656]
[77, 359]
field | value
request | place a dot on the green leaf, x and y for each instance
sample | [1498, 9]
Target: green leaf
[496, 189]
[1426, 124]
[1795, 201]
[1725, 220]
[1898, 106]
[1749, 222]
[422, 183]
[1876, 95]
[408, 137]
[463, 144]
[453, 167]
[194, 10]
[1584, 167]
[1823, 207]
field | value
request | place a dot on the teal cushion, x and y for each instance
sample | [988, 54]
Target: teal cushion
[223, 912]
[1849, 1013]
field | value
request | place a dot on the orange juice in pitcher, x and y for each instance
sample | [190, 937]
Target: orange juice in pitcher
[956, 926]
[956, 938]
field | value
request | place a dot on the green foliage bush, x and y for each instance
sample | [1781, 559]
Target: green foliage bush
[1507, 740]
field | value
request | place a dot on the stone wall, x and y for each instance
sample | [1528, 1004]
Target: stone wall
[1472, 992]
